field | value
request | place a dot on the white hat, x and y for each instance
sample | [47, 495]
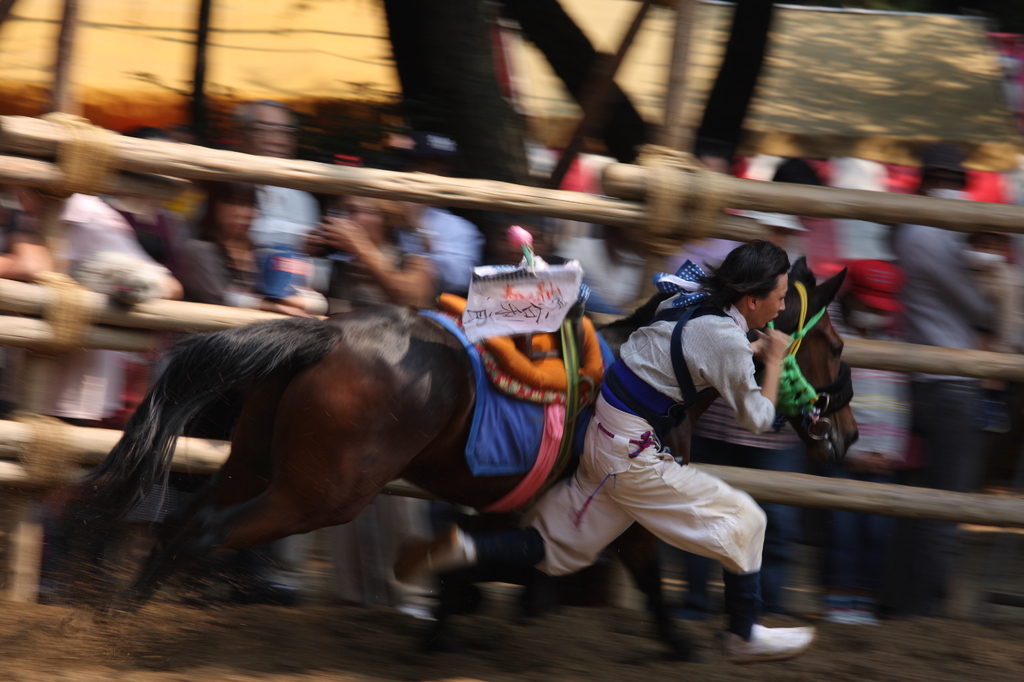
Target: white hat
[783, 220]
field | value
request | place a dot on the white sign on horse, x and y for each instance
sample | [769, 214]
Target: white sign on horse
[504, 301]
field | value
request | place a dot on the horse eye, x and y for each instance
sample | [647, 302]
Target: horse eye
[837, 349]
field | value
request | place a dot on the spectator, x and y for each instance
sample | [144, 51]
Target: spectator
[159, 230]
[787, 232]
[222, 267]
[612, 269]
[943, 308]
[819, 241]
[1000, 282]
[86, 386]
[373, 267]
[283, 216]
[377, 269]
[856, 544]
[709, 253]
[453, 243]
[22, 252]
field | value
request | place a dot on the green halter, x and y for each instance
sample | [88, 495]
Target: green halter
[796, 395]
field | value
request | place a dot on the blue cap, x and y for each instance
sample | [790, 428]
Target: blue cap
[281, 269]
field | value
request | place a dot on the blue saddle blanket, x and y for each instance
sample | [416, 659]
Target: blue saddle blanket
[506, 432]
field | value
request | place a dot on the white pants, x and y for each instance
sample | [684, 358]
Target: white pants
[683, 506]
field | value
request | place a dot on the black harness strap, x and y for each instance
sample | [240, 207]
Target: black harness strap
[679, 366]
[838, 393]
[663, 423]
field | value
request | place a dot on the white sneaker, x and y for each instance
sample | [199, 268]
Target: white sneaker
[767, 644]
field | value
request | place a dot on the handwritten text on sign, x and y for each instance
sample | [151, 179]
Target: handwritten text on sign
[503, 302]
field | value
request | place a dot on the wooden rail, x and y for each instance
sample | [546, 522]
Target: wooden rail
[630, 182]
[201, 456]
[32, 299]
[35, 137]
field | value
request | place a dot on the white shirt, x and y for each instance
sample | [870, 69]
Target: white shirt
[285, 216]
[88, 384]
[455, 245]
[614, 284]
[717, 354]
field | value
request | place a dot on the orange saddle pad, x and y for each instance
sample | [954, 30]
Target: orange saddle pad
[543, 373]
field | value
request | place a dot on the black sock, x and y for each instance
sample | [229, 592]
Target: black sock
[742, 601]
[509, 546]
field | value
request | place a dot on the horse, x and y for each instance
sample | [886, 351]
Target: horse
[336, 409]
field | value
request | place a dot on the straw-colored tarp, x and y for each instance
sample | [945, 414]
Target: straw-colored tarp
[836, 83]
[874, 85]
[134, 58]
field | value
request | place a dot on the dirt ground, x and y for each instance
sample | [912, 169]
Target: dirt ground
[167, 642]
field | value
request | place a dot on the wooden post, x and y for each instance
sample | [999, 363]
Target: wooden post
[18, 170]
[63, 95]
[675, 133]
[200, 120]
[595, 96]
[24, 533]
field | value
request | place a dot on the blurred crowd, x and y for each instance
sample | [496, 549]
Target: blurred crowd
[288, 251]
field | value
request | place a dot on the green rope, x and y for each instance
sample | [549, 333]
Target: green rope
[796, 394]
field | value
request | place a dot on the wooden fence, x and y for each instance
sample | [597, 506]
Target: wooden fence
[115, 327]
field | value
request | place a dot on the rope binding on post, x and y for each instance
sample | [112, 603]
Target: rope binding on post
[70, 312]
[50, 453]
[86, 156]
[684, 198]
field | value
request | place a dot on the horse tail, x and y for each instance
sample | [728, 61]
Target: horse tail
[202, 368]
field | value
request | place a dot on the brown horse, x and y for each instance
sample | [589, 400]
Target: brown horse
[336, 409]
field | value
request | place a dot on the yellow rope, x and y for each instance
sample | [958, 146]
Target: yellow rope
[684, 198]
[50, 453]
[70, 312]
[86, 157]
[802, 290]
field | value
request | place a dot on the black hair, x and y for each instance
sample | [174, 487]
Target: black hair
[749, 270]
[149, 133]
[238, 193]
[708, 146]
[796, 171]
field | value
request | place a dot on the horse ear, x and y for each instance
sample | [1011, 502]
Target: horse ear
[825, 293]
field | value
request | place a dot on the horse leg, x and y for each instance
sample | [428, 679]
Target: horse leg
[637, 548]
[330, 451]
[245, 475]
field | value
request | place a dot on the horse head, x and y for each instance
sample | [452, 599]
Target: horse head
[830, 429]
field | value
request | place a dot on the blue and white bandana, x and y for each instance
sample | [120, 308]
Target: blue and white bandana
[686, 281]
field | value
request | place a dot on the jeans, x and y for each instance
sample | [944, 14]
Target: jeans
[781, 534]
[924, 552]
[856, 545]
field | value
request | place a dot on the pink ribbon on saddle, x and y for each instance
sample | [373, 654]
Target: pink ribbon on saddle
[554, 425]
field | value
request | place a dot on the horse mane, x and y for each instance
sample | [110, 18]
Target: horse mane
[616, 333]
